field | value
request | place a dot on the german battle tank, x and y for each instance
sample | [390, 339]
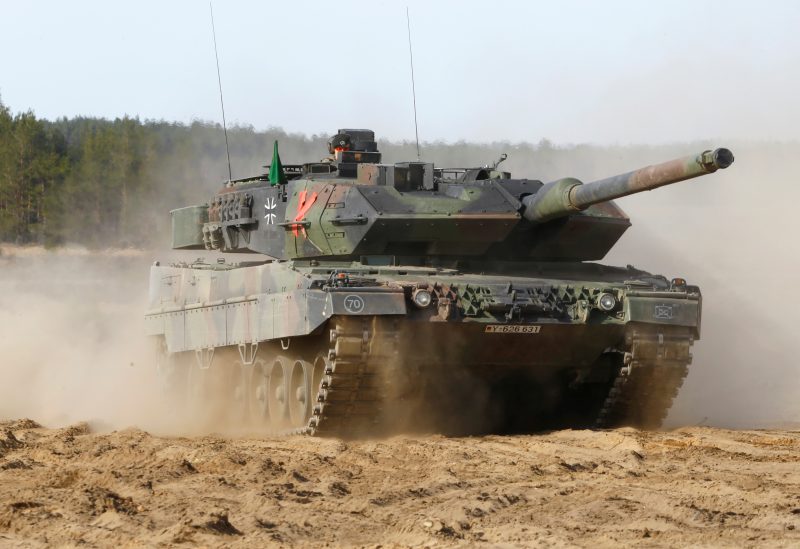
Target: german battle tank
[461, 299]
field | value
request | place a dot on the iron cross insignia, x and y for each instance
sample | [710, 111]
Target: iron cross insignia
[268, 207]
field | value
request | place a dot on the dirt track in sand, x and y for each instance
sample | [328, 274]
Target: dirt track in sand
[695, 486]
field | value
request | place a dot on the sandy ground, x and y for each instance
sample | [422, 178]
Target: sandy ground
[693, 486]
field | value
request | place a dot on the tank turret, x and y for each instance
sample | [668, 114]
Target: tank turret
[351, 207]
[565, 196]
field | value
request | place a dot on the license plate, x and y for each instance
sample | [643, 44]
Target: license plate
[512, 329]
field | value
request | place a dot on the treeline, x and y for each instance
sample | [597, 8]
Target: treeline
[101, 182]
[98, 182]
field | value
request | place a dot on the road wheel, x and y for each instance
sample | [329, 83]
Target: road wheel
[277, 394]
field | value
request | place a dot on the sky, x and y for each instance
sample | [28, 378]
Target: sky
[610, 72]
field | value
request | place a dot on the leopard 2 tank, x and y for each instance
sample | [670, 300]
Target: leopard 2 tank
[387, 296]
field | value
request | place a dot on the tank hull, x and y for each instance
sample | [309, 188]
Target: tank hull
[345, 349]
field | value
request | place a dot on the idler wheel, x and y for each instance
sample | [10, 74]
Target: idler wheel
[171, 370]
[196, 389]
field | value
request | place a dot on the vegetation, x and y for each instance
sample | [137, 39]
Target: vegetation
[108, 182]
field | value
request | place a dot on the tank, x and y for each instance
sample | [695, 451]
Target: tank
[374, 298]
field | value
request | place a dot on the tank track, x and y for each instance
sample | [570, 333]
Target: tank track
[652, 372]
[362, 376]
[355, 388]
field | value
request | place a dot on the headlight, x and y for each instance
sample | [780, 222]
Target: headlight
[421, 298]
[606, 302]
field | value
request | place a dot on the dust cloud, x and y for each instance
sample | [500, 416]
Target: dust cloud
[72, 340]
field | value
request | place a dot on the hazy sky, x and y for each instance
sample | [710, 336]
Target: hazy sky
[569, 71]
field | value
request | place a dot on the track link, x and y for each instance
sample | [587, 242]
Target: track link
[653, 371]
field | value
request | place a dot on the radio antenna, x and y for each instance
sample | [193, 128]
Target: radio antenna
[219, 81]
[413, 87]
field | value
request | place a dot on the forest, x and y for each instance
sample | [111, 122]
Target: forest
[111, 183]
[100, 183]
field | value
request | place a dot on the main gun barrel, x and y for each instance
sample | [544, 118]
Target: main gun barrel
[565, 196]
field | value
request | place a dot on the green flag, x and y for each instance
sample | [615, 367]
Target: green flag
[276, 174]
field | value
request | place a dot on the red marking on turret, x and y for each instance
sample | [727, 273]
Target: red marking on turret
[303, 205]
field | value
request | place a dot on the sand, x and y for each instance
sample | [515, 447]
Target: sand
[692, 486]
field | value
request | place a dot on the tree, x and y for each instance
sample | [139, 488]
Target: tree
[32, 166]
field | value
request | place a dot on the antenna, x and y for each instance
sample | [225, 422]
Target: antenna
[413, 87]
[219, 81]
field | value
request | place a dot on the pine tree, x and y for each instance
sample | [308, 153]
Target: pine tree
[31, 167]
